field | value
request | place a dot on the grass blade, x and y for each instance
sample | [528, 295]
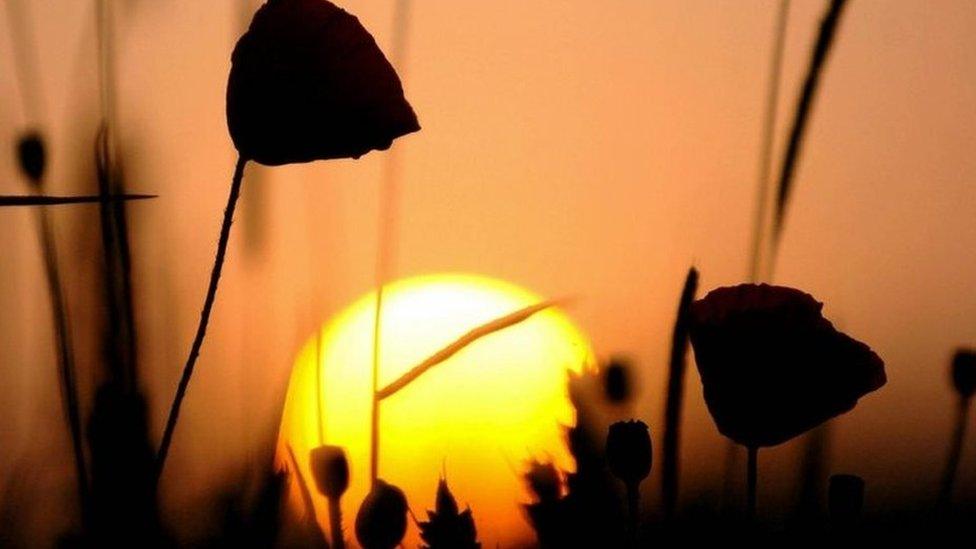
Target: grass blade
[467, 339]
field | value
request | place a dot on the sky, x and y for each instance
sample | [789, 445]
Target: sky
[585, 149]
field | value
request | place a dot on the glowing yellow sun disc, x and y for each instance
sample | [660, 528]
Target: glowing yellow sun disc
[477, 417]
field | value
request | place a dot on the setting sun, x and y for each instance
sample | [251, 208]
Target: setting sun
[476, 417]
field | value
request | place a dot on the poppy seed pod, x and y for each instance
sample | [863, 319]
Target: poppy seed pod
[382, 519]
[964, 372]
[32, 157]
[772, 366]
[616, 381]
[629, 451]
[308, 82]
[330, 468]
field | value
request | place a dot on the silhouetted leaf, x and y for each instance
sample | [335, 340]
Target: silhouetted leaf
[447, 527]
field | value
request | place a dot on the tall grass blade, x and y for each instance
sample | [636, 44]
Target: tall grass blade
[675, 396]
[825, 39]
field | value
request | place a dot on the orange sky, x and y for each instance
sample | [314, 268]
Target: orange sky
[592, 149]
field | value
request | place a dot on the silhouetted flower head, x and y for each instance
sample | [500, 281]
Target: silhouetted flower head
[772, 366]
[382, 518]
[32, 157]
[629, 451]
[845, 497]
[544, 481]
[308, 82]
[616, 381]
[964, 372]
[330, 468]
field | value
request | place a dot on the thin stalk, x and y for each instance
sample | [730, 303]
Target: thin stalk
[801, 115]
[385, 252]
[675, 396]
[955, 452]
[335, 524]
[467, 339]
[633, 510]
[45, 200]
[751, 474]
[66, 362]
[174, 411]
[766, 145]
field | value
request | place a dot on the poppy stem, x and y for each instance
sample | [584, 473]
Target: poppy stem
[335, 524]
[633, 508]
[174, 411]
[751, 474]
[66, 362]
[955, 451]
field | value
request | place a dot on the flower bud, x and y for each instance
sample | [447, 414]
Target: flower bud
[629, 451]
[30, 152]
[330, 468]
[382, 519]
[964, 372]
[617, 381]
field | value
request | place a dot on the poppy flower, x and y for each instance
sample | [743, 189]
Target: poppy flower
[629, 457]
[308, 82]
[772, 366]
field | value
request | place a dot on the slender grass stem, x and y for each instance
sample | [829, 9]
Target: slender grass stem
[44, 200]
[66, 362]
[675, 396]
[955, 452]
[174, 412]
[766, 146]
[801, 115]
[751, 474]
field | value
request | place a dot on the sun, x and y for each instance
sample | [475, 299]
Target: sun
[475, 418]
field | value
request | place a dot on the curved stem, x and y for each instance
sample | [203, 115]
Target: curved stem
[955, 451]
[174, 411]
[751, 474]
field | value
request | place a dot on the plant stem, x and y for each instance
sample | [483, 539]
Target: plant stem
[633, 508]
[955, 452]
[766, 146]
[751, 474]
[335, 524]
[174, 412]
[66, 362]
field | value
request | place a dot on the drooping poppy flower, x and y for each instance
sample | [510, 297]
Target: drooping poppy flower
[308, 82]
[772, 366]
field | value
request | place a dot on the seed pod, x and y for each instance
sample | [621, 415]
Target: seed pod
[964, 372]
[30, 152]
[330, 468]
[382, 519]
[629, 451]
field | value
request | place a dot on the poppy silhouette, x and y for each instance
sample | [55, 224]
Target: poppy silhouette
[772, 367]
